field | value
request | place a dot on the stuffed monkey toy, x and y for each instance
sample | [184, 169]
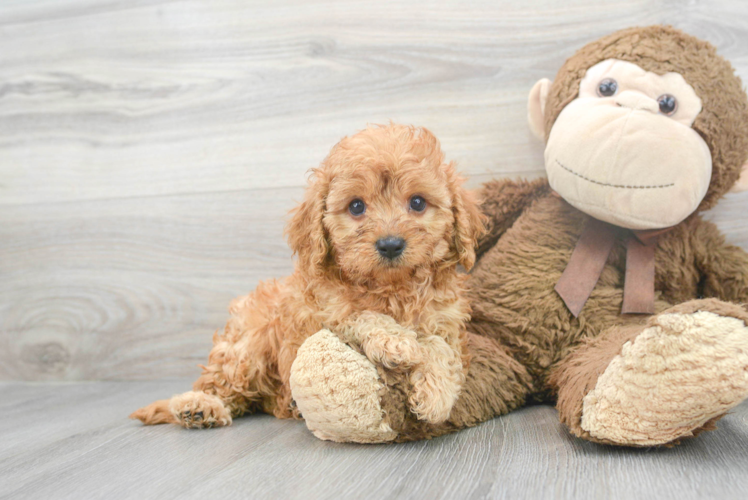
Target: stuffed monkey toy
[600, 289]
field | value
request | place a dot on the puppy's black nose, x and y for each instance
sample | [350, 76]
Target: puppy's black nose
[390, 247]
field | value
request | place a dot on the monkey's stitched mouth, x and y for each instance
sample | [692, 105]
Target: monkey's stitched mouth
[621, 186]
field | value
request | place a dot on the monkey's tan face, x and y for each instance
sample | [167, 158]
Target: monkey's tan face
[624, 151]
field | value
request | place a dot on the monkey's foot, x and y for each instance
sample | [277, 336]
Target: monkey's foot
[681, 373]
[337, 391]
[199, 410]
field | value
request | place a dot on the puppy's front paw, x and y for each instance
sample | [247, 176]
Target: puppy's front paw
[392, 351]
[383, 340]
[431, 399]
[436, 382]
[199, 410]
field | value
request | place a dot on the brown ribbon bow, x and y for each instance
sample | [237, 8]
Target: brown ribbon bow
[588, 260]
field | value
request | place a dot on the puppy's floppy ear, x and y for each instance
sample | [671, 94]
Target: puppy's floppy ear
[470, 223]
[305, 232]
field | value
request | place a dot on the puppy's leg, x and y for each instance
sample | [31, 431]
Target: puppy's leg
[436, 381]
[241, 374]
[212, 403]
[383, 340]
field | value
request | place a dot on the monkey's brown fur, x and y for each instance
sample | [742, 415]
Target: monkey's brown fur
[533, 233]
[544, 353]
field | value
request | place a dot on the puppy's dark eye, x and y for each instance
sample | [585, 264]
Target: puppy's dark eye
[417, 203]
[357, 207]
[668, 104]
[607, 88]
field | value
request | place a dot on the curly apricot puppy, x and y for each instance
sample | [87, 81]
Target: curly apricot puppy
[382, 227]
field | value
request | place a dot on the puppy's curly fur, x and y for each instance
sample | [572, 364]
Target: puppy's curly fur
[407, 312]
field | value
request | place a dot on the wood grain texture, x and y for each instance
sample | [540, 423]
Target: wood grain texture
[72, 441]
[149, 149]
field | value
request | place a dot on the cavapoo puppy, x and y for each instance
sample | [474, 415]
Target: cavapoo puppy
[383, 224]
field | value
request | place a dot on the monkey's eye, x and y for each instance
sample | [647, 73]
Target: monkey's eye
[668, 104]
[357, 207]
[417, 203]
[607, 88]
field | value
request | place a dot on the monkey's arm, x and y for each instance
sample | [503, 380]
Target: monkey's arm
[503, 200]
[723, 267]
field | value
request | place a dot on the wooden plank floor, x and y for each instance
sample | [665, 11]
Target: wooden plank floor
[72, 441]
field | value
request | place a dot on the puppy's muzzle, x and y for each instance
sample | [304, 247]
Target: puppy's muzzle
[390, 247]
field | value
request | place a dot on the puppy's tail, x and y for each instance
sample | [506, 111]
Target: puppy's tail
[155, 413]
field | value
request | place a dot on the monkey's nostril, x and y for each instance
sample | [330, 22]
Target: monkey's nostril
[390, 247]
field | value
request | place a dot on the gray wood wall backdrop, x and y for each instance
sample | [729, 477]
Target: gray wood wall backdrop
[150, 149]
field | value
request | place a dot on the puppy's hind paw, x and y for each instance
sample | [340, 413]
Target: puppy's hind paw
[199, 410]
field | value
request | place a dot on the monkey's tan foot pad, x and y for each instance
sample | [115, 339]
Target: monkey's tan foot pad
[679, 373]
[337, 391]
[198, 410]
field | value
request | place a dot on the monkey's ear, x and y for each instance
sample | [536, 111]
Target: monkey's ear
[742, 184]
[536, 107]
